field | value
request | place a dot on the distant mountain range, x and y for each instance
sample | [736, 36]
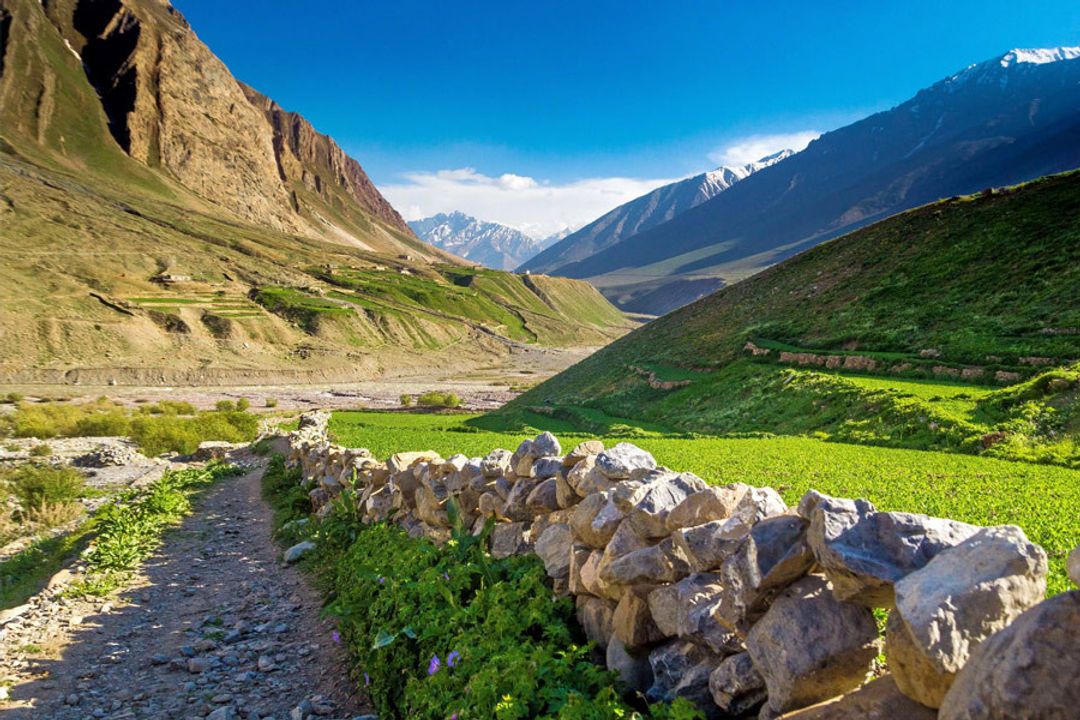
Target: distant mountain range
[1004, 121]
[645, 212]
[486, 243]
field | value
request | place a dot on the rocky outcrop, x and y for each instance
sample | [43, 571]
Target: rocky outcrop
[724, 595]
[172, 104]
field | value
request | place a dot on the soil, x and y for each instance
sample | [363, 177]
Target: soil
[213, 626]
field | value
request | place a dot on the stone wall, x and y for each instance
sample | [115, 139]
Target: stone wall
[727, 596]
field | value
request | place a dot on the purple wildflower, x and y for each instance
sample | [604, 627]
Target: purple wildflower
[433, 666]
[452, 658]
[446, 575]
[382, 580]
[336, 636]
[367, 680]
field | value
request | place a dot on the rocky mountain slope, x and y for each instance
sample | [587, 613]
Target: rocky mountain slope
[983, 289]
[1000, 122]
[487, 243]
[645, 212]
[160, 221]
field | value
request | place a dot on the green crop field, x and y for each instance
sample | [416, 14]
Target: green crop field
[1044, 500]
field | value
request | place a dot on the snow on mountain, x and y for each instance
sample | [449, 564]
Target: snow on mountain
[997, 70]
[486, 243]
[647, 211]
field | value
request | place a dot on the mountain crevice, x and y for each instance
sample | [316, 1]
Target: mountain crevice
[112, 37]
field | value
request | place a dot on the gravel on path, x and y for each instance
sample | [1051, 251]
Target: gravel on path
[214, 626]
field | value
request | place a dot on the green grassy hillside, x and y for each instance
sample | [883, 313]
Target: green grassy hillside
[919, 331]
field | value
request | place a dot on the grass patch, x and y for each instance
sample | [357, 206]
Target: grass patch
[129, 529]
[47, 497]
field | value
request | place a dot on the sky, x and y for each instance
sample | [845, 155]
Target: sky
[544, 115]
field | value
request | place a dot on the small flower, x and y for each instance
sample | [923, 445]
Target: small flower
[336, 636]
[446, 575]
[433, 666]
[367, 680]
[382, 580]
[452, 658]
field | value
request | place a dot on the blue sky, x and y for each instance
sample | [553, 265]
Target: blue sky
[586, 104]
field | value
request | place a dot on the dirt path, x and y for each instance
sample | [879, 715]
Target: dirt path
[213, 627]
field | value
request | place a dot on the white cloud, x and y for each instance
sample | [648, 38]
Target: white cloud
[539, 208]
[754, 147]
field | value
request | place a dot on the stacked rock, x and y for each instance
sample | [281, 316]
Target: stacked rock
[727, 596]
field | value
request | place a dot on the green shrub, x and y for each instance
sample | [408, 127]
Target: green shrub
[41, 450]
[225, 405]
[13, 397]
[444, 631]
[130, 527]
[271, 402]
[243, 404]
[406, 400]
[439, 399]
[157, 435]
[39, 485]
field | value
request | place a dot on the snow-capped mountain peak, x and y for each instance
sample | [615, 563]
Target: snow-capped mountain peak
[486, 243]
[997, 69]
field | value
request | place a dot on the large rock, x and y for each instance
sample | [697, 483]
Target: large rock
[564, 494]
[634, 670]
[546, 445]
[517, 501]
[596, 617]
[590, 577]
[1027, 671]
[496, 463]
[402, 460]
[595, 520]
[299, 550]
[774, 555]
[876, 700]
[584, 450]
[864, 552]
[618, 462]
[682, 669]
[633, 623]
[961, 597]
[554, 547]
[736, 686]
[543, 499]
[523, 458]
[714, 503]
[707, 546]
[431, 505]
[547, 467]
[809, 647]
[579, 555]
[755, 505]
[654, 565]
[658, 499]
[697, 600]
[513, 538]
[1073, 565]
[664, 608]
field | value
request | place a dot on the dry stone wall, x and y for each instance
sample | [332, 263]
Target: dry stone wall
[730, 598]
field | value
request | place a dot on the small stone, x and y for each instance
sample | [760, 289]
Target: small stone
[297, 551]
[159, 659]
[198, 665]
[72, 699]
[1073, 565]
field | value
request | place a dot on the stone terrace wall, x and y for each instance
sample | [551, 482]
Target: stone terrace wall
[728, 597]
